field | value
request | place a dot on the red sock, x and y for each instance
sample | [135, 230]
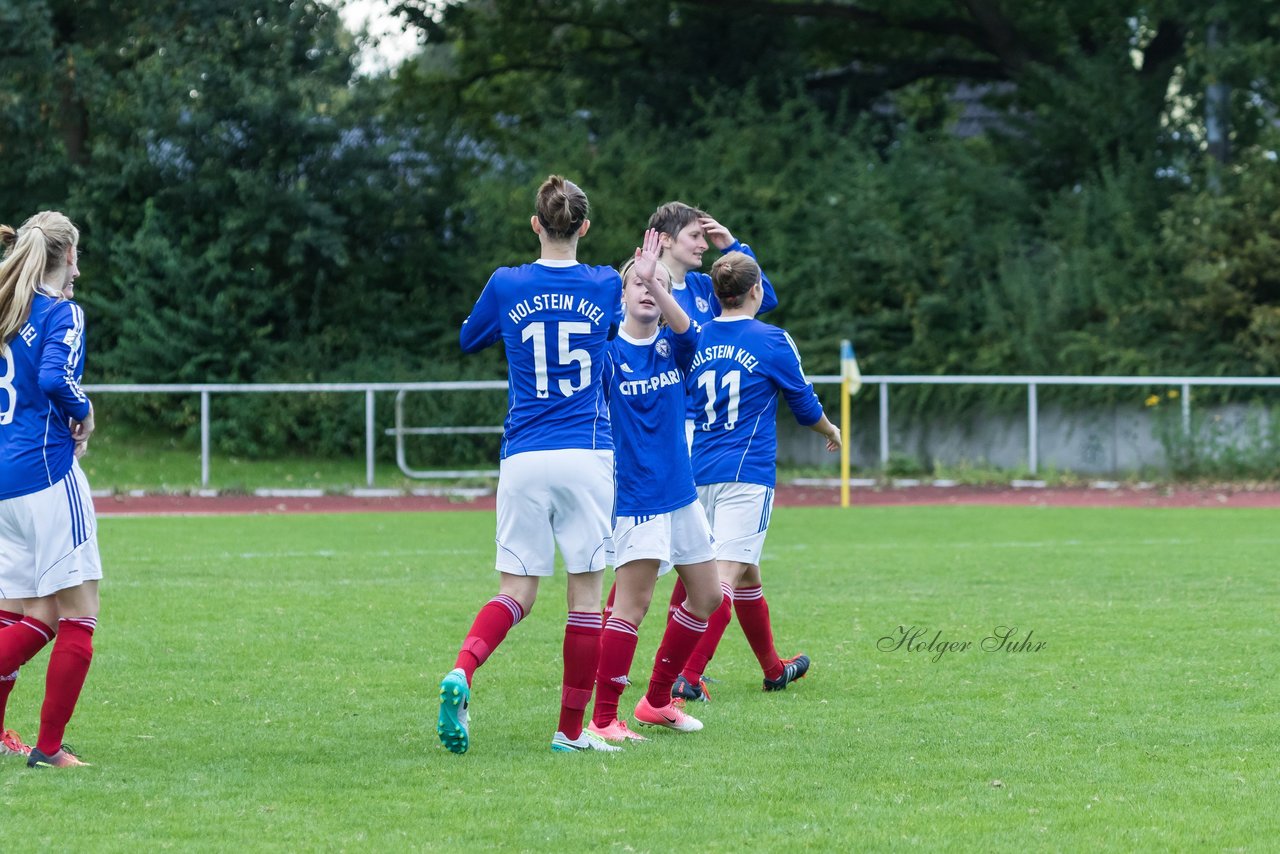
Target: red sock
[753, 616]
[608, 603]
[68, 665]
[7, 618]
[682, 635]
[706, 646]
[21, 641]
[617, 651]
[678, 595]
[498, 616]
[581, 660]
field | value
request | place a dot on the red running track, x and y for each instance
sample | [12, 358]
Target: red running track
[786, 496]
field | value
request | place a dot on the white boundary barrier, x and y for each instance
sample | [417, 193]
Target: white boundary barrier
[207, 390]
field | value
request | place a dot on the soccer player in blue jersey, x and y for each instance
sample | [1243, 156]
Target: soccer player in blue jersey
[49, 562]
[685, 231]
[660, 523]
[738, 370]
[555, 486]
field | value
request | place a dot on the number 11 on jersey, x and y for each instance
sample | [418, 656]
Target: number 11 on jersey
[731, 381]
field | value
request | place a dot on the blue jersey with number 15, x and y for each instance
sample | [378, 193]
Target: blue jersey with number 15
[555, 319]
[40, 394]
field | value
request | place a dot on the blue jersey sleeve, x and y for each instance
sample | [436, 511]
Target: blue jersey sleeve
[788, 373]
[685, 345]
[615, 322]
[62, 361]
[483, 327]
[607, 372]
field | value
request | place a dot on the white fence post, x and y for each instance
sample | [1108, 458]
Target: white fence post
[368, 436]
[884, 424]
[204, 439]
[1186, 409]
[1033, 429]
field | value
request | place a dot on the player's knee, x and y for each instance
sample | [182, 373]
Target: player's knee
[703, 599]
[45, 610]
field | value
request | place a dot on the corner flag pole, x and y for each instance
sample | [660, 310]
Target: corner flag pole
[850, 382]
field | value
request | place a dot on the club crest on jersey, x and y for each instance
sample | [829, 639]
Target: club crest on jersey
[702, 304]
[663, 348]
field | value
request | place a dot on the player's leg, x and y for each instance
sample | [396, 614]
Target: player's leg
[58, 529]
[739, 517]
[525, 553]
[10, 742]
[635, 581]
[753, 616]
[30, 621]
[68, 666]
[582, 522]
[678, 595]
[693, 553]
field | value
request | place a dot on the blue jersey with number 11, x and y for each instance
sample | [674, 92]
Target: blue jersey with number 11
[740, 366]
[555, 319]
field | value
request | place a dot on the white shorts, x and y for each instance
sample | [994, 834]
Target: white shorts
[679, 538]
[550, 498]
[739, 516]
[688, 433]
[49, 539]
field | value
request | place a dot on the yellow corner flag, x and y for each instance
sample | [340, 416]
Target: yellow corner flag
[850, 382]
[849, 372]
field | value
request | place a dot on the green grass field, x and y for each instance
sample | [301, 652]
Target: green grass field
[268, 683]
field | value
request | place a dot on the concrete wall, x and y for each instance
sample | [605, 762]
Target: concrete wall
[1112, 440]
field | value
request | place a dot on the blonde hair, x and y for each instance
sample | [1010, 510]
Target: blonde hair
[628, 267]
[562, 207]
[38, 247]
[733, 275]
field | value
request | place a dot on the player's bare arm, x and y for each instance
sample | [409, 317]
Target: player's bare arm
[80, 432]
[831, 432]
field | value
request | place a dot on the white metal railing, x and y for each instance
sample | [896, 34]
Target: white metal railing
[1032, 383]
[207, 390]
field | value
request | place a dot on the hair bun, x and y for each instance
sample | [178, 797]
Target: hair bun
[8, 235]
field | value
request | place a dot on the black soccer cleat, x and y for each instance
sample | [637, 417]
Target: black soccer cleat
[685, 690]
[792, 669]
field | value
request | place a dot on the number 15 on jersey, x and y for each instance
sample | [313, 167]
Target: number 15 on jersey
[567, 355]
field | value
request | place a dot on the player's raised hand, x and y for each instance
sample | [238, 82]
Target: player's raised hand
[647, 257]
[716, 233]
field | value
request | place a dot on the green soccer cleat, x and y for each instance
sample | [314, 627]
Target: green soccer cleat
[455, 700]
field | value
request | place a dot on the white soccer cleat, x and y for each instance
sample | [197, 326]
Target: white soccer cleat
[587, 741]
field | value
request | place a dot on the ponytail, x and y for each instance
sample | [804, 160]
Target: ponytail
[35, 249]
[561, 207]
